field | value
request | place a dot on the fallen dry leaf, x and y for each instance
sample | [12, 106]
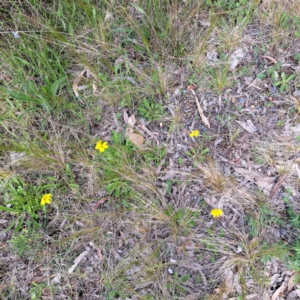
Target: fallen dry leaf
[197, 268]
[91, 73]
[252, 296]
[229, 281]
[77, 261]
[99, 252]
[169, 175]
[144, 130]
[273, 279]
[160, 166]
[265, 183]
[56, 279]
[248, 126]
[191, 87]
[135, 138]
[277, 185]
[95, 91]
[256, 82]
[125, 117]
[279, 291]
[76, 82]
[131, 121]
[291, 282]
[203, 117]
[101, 201]
[270, 58]
[236, 57]
[296, 129]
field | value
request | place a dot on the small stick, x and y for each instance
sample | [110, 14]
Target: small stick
[277, 185]
[203, 117]
[101, 201]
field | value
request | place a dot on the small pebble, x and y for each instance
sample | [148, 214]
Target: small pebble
[170, 271]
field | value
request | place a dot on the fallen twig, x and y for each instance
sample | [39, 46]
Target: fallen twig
[277, 185]
[100, 202]
[77, 261]
[203, 117]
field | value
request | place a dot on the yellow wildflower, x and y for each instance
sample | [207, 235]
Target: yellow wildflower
[101, 146]
[217, 212]
[46, 199]
[194, 133]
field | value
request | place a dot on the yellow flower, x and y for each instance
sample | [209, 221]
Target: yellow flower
[46, 199]
[194, 133]
[101, 146]
[217, 212]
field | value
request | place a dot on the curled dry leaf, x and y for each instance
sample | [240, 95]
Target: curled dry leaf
[273, 60]
[101, 201]
[76, 82]
[56, 279]
[95, 91]
[99, 252]
[135, 138]
[191, 87]
[291, 282]
[125, 117]
[248, 126]
[90, 73]
[203, 117]
[263, 182]
[236, 57]
[277, 185]
[280, 291]
[131, 121]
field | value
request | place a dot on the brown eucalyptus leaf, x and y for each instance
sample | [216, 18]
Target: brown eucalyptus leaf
[136, 139]
[131, 121]
[248, 126]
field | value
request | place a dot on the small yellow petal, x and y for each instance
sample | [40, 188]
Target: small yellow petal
[46, 199]
[101, 146]
[194, 133]
[217, 212]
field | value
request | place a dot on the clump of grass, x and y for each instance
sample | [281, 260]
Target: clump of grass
[24, 200]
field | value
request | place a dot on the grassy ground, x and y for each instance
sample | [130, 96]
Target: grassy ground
[133, 220]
